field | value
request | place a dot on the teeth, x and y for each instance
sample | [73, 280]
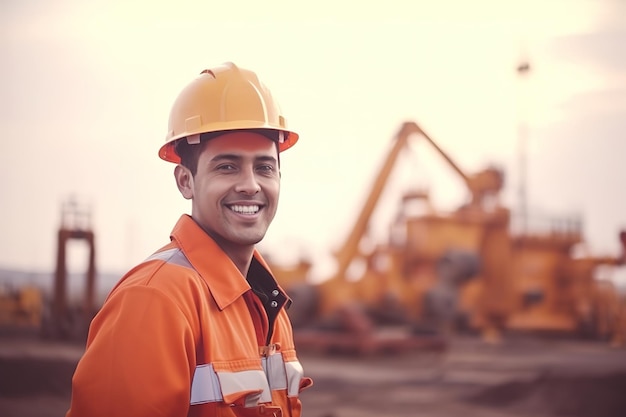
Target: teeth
[245, 209]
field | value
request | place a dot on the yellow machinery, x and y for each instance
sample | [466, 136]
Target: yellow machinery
[558, 292]
[438, 268]
[21, 308]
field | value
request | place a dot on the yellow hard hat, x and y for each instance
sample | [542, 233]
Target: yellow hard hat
[224, 98]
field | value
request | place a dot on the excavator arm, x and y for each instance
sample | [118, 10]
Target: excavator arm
[479, 185]
[350, 248]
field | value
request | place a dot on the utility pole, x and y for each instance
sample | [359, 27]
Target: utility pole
[522, 71]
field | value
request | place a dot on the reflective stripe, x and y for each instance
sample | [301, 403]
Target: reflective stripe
[254, 380]
[171, 256]
[274, 368]
[205, 387]
[295, 373]
[210, 386]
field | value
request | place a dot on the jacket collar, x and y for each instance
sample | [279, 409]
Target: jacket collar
[224, 280]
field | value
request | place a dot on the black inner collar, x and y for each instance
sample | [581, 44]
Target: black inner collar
[265, 287]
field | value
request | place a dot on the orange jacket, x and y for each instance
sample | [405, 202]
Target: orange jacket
[182, 334]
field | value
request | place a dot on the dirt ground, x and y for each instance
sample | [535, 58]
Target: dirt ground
[520, 377]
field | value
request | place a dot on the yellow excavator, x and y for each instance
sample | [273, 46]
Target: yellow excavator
[439, 272]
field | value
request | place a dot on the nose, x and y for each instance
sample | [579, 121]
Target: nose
[247, 182]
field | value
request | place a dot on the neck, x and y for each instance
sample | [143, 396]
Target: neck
[240, 255]
[241, 259]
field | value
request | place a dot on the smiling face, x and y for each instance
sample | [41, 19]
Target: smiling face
[235, 189]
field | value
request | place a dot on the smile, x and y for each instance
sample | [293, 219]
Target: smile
[240, 209]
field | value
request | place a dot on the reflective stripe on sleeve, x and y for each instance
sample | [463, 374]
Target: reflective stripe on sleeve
[283, 375]
[295, 373]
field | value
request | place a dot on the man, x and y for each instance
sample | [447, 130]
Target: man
[200, 328]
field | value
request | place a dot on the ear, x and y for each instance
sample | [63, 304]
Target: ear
[184, 181]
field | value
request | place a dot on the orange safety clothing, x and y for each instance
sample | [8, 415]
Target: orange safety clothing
[184, 334]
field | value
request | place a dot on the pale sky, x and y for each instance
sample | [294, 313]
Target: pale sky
[87, 88]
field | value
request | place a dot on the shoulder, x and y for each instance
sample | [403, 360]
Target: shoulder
[166, 277]
[165, 270]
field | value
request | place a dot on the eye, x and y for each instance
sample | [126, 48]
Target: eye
[225, 167]
[266, 168]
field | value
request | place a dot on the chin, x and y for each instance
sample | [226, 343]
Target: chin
[251, 239]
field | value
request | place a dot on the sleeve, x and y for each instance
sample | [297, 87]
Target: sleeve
[139, 358]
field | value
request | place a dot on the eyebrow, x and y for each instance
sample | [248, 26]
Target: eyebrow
[231, 157]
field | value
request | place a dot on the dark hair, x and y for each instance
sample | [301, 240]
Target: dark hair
[189, 154]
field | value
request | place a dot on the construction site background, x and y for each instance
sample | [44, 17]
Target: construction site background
[455, 312]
